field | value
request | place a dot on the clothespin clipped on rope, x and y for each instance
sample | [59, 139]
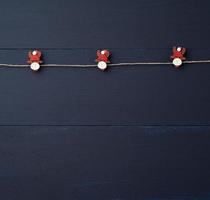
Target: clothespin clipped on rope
[178, 56]
[34, 59]
[102, 59]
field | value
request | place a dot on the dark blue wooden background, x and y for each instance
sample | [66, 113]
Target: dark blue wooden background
[127, 134]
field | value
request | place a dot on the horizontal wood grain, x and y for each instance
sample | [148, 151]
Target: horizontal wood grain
[127, 134]
[75, 23]
[121, 96]
[104, 163]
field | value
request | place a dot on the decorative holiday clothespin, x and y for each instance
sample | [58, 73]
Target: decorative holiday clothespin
[34, 59]
[178, 56]
[102, 59]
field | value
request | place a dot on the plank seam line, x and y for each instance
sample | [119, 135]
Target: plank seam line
[91, 125]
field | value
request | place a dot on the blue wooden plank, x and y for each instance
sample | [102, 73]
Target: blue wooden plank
[64, 24]
[120, 161]
[70, 32]
[104, 163]
[127, 96]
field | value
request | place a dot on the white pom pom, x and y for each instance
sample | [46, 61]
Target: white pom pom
[102, 65]
[177, 62]
[35, 66]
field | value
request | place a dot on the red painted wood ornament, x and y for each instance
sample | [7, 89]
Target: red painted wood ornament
[34, 59]
[178, 56]
[102, 59]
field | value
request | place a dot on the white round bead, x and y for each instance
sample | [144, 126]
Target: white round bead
[177, 62]
[102, 65]
[35, 66]
[179, 49]
[34, 53]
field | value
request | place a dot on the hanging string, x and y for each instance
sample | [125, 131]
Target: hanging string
[196, 61]
[111, 65]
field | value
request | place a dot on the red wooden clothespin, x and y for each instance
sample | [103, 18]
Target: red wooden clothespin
[34, 59]
[102, 59]
[178, 56]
